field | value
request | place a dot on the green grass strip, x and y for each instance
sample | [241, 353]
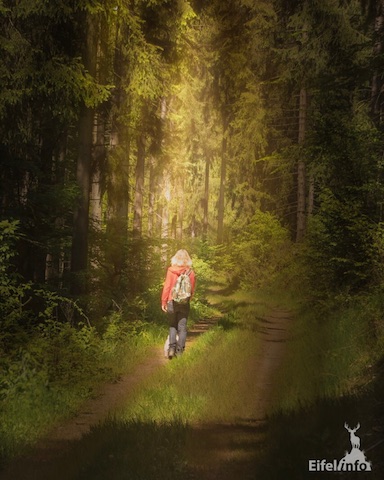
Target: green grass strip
[212, 382]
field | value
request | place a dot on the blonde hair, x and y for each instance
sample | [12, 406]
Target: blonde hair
[181, 259]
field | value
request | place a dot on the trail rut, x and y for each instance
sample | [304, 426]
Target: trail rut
[103, 403]
[212, 451]
[230, 451]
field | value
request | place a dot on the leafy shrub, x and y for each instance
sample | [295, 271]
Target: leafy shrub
[14, 294]
[340, 253]
[259, 250]
[203, 270]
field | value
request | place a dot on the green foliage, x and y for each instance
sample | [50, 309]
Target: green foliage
[340, 340]
[258, 250]
[68, 80]
[50, 77]
[341, 253]
[8, 237]
[378, 256]
[346, 167]
[126, 275]
[13, 293]
[57, 366]
[204, 271]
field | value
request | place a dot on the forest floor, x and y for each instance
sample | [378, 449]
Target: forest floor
[231, 451]
[209, 447]
[111, 396]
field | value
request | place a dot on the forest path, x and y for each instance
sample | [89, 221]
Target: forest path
[105, 401]
[109, 397]
[231, 451]
[212, 451]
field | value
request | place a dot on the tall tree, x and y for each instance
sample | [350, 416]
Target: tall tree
[223, 183]
[79, 257]
[376, 10]
[139, 185]
[42, 89]
[301, 170]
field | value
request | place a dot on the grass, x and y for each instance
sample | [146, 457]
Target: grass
[330, 355]
[148, 438]
[125, 451]
[332, 349]
[213, 381]
[49, 381]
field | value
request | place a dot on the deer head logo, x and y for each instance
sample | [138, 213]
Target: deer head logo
[355, 440]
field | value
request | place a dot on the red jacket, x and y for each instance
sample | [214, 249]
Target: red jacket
[170, 282]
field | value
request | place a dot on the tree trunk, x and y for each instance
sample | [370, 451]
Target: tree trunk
[311, 195]
[377, 83]
[301, 173]
[165, 216]
[151, 197]
[119, 147]
[118, 167]
[180, 210]
[158, 213]
[139, 186]
[99, 156]
[221, 202]
[79, 257]
[99, 140]
[180, 221]
[206, 200]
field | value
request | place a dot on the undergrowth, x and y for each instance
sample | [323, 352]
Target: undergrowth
[53, 356]
[192, 388]
[46, 379]
[214, 382]
[53, 371]
[332, 352]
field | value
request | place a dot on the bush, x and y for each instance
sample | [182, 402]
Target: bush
[340, 252]
[259, 250]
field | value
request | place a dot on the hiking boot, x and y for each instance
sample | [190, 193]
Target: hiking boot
[171, 352]
[179, 351]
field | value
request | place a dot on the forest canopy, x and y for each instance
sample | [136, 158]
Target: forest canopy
[129, 128]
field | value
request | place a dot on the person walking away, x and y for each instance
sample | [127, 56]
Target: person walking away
[175, 299]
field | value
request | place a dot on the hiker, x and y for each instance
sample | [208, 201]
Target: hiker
[178, 289]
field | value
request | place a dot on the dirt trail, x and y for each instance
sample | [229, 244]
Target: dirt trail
[104, 402]
[212, 451]
[110, 396]
[107, 399]
[230, 451]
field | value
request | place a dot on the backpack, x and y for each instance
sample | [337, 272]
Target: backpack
[182, 290]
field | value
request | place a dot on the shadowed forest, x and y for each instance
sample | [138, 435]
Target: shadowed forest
[249, 132]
